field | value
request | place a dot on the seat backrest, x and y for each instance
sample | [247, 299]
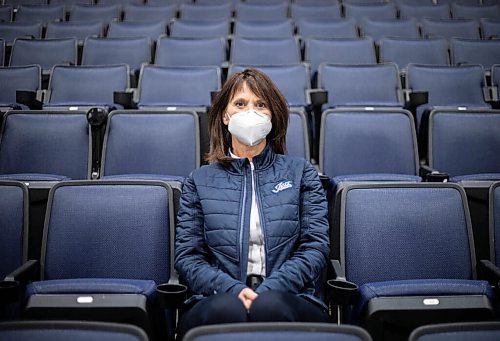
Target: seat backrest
[263, 29]
[304, 11]
[456, 331]
[450, 28]
[206, 12]
[40, 13]
[339, 51]
[403, 51]
[164, 12]
[199, 29]
[126, 29]
[120, 2]
[149, 142]
[102, 13]
[18, 78]
[96, 84]
[297, 135]
[251, 11]
[461, 11]
[75, 330]
[361, 85]
[292, 80]
[46, 143]
[78, 30]
[177, 86]
[5, 13]
[370, 10]
[464, 143]
[246, 51]
[14, 225]
[108, 229]
[111, 51]
[44, 52]
[68, 4]
[475, 51]
[325, 28]
[366, 142]
[190, 51]
[17, 3]
[494, 215]
[9, 31]
[448, 85]
[401, 28]
[419, 11]
[278, 331]
[405, 231]
[490, 28]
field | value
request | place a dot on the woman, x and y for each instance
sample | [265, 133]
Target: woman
[252, 232]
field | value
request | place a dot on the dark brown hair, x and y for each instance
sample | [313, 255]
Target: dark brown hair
[263, 87]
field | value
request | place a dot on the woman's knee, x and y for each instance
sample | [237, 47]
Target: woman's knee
[271, 306]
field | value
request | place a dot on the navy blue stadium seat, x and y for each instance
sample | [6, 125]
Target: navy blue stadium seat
[339, 51]
[40, 13]
[27, 78]
[247, 51]
[79, 30]
[68, 4]
[475, 51]
[111, 51]
[44, 145]
[199, 28]
[297, 135]
[464, 144]
[450, 28]
[163, 12]
[361, 85]
[110, 241]
[102, 13]
[361, 11]
[461, 11]
[408, 246]
[151, 144]
[190, 51]
[404, 51]
[152, 29]
[17, 3]
[428, 10]
[120, 2]
[74, 330]
[263, 29]
[327, 28]
[262, 11]
[490, 28]
[171, 87]
[5, 13]
[301, 11]
[192, 11]
[494, 220]
[96, 85]
[278, 331]
[400, 28]
[486, 331]
[374, 145]
[44, 52]
[9, 31]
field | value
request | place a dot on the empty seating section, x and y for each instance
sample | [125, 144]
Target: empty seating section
[471, 330]
[350, 71]
[45, 146]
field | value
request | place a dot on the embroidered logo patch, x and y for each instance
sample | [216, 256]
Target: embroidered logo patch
[282, 186]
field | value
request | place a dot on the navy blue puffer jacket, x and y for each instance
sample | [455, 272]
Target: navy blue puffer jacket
[211, 251]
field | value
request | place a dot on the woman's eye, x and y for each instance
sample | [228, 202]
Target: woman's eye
[261, 105]
[239, 104]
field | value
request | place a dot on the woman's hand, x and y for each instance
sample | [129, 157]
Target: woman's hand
[247, 296]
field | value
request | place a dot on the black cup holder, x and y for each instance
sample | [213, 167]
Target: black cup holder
[171, 295]
[341, 291]
[9, 292]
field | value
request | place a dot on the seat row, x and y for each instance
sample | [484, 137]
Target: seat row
[112, 10]
[395, 245]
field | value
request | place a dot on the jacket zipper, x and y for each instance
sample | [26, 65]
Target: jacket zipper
[261, 217]
[242, 219]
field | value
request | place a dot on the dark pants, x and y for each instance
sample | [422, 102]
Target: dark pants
[270, 306]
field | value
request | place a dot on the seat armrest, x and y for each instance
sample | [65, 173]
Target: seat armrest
[338, 272]
[489, 272]
[340, 291]
[12, 283]
[124, 98]
[416, 98]
[431, 175]
[317, 97]
[28, 98]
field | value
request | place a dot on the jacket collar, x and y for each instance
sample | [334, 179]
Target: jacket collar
[261, 161]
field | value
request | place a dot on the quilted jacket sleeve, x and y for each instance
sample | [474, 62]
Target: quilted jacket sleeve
[309, 259]
[191, 253]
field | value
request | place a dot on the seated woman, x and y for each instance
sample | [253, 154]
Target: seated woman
[252, 232]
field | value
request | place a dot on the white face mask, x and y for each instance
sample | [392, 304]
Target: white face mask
[249, 127]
